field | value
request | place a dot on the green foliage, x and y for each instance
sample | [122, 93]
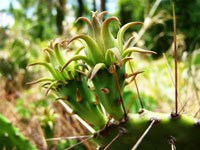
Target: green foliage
[196, 58]
[7, 68]
[160, 37]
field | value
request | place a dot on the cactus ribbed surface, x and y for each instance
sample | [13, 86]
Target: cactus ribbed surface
[11, 138]
[95, 82]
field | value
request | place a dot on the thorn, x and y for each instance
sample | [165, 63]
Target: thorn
[78, 96]
[171, 141]
[96, 98]
[61, 98]
[105, 90]
[170, 74]
[175, 61]
[182, 108]
[138, 92]
[68, 138]
[121, 131]
[118, 87]
[87, 139]
[133, 74]
[143, 135]
[80, 72]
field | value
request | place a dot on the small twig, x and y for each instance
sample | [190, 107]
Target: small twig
[118, 88]
[143, 135]
[138, 92]
[87, 139]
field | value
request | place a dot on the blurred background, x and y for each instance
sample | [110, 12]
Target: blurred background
[26, 26]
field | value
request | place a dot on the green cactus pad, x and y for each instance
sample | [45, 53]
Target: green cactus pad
[11, 138]
[184, 129]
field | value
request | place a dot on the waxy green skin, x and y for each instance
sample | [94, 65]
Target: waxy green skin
[105, 79]
[183, 129]
[11, 138]
[86, 108]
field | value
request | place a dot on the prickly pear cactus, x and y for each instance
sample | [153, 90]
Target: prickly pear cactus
[10, 137]
[93, 84]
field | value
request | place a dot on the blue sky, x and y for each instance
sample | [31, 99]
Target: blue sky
[5, 4]
[111, 4]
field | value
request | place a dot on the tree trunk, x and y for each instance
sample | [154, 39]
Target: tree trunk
[61, 10]
[103, 5]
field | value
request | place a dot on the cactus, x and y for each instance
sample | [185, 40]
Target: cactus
[10, 137]
[93, 84]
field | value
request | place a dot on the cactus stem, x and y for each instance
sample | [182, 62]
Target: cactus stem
[85, 140]
[119, 90]
[144, 134]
